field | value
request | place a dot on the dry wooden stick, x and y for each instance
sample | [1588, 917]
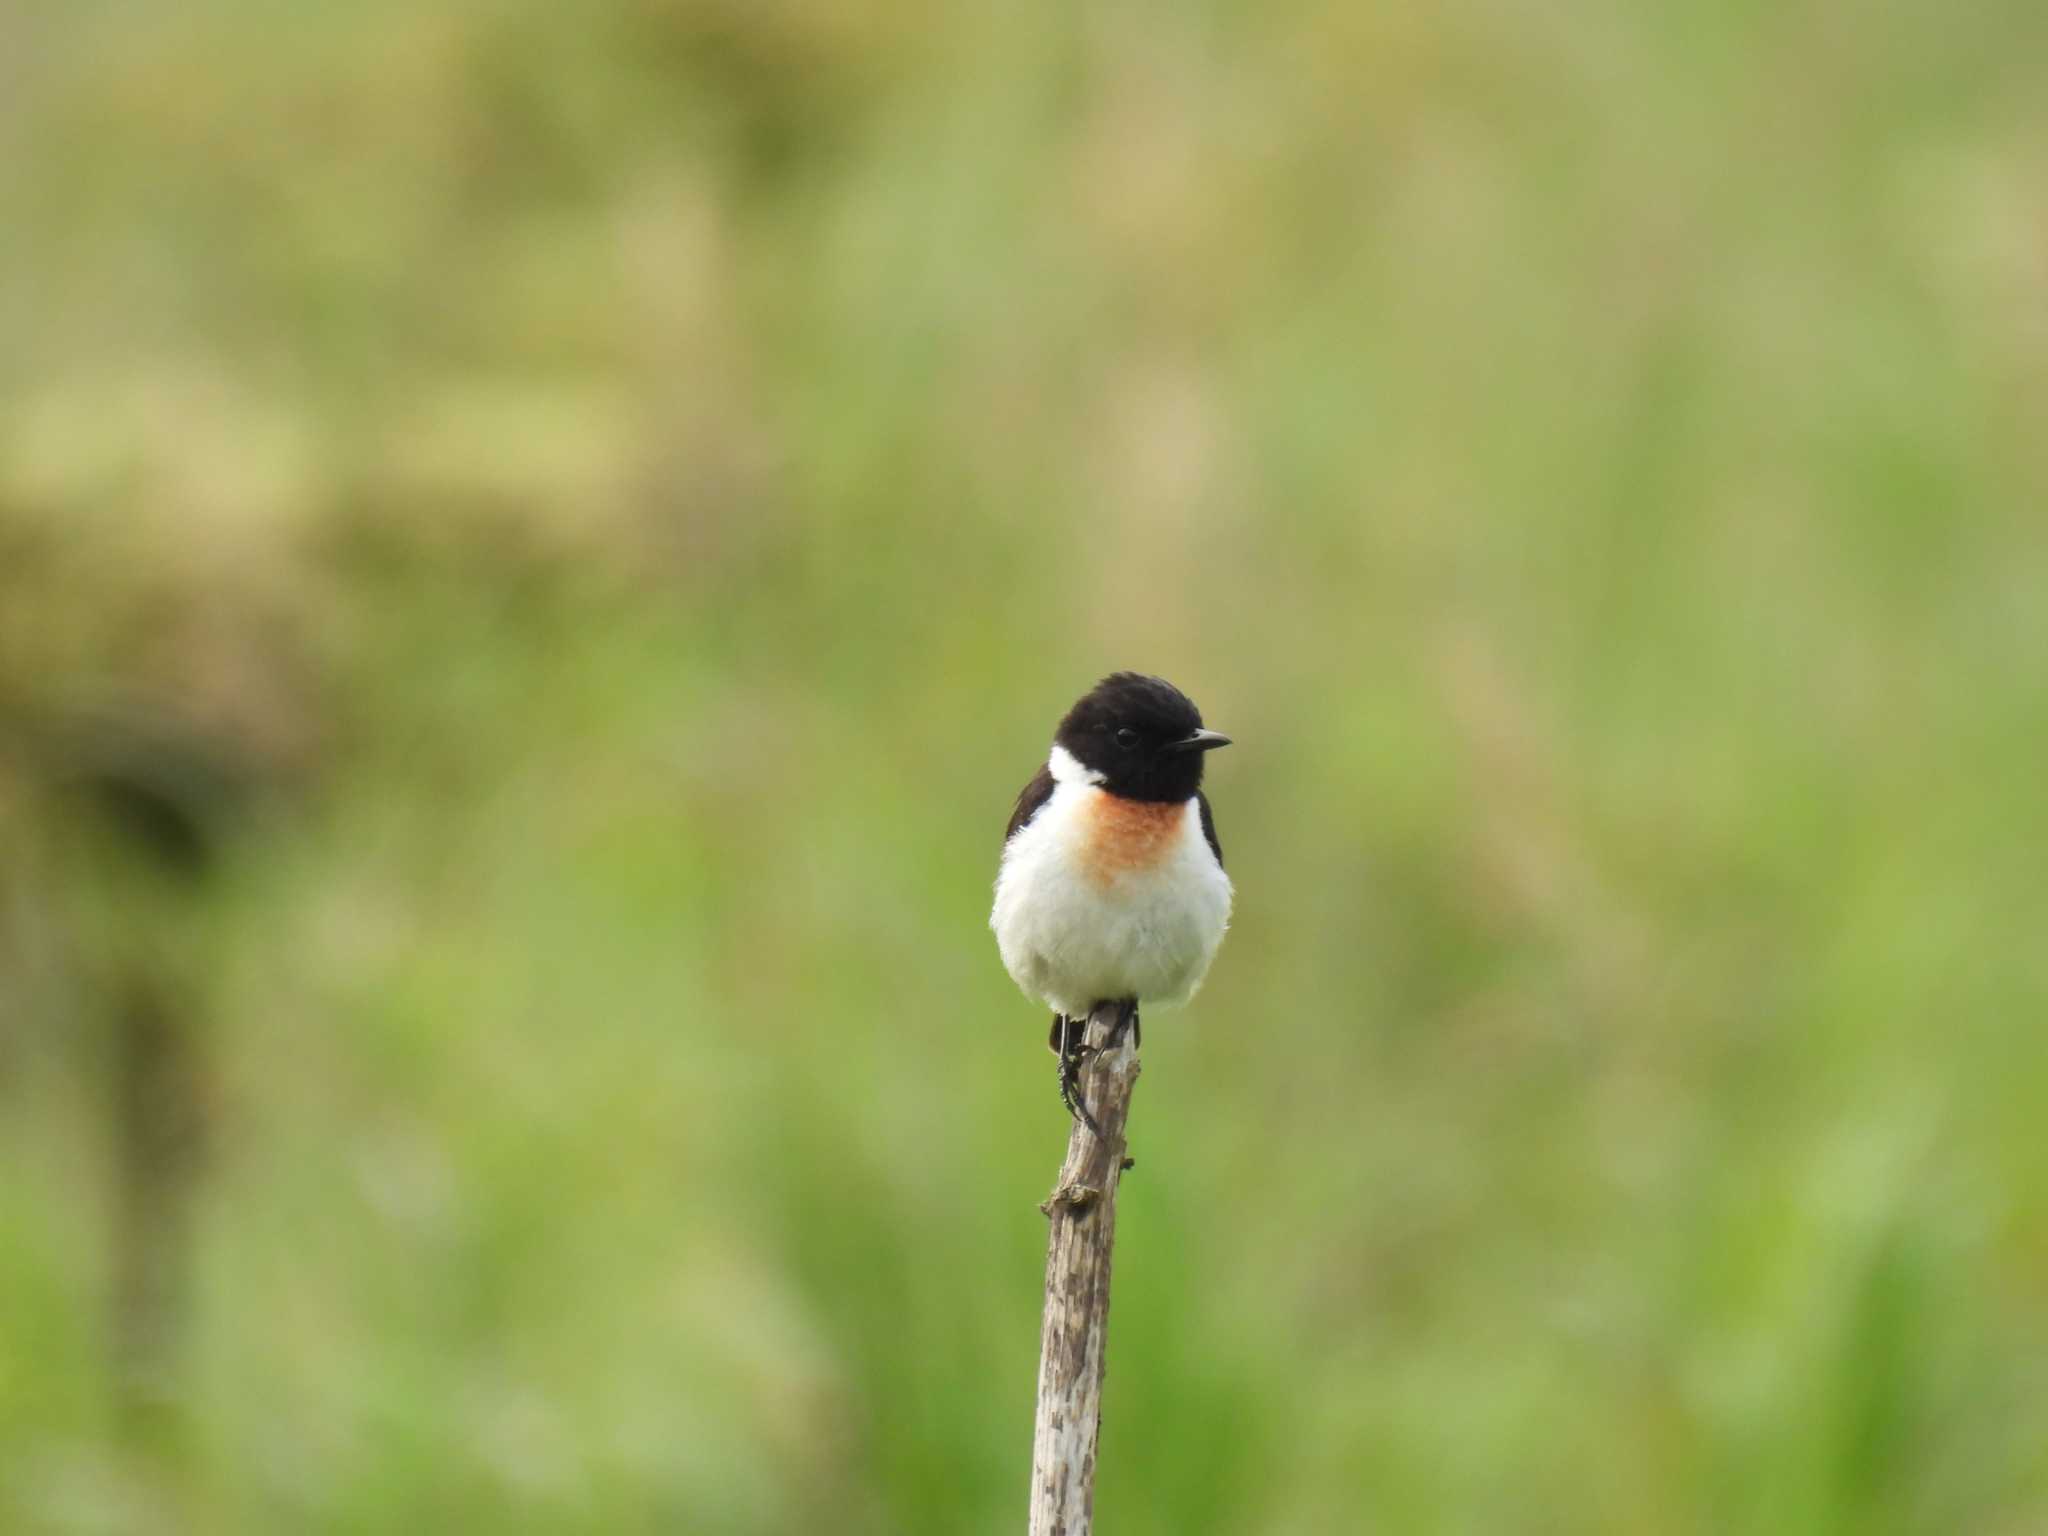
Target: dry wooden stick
[1082, 1209]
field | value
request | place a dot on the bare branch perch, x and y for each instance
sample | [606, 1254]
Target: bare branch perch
[1082, 1209]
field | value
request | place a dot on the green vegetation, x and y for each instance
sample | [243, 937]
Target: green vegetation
[628, 489]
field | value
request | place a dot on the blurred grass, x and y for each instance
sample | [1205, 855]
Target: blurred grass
[642, 479]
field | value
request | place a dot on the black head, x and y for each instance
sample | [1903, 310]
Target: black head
[1142, 734]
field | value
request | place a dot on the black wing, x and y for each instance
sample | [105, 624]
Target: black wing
[1209, 827]
[1033, 795]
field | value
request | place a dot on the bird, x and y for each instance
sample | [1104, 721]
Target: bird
[1111, 885]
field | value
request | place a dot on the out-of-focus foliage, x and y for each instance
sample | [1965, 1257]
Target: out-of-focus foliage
[623, 491]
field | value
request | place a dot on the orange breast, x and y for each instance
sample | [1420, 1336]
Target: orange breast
[1126, 836]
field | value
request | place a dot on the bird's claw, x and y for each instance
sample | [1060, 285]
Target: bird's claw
[1075, 1053]
[1070, 1088]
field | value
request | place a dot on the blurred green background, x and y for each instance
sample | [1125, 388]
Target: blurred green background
[538, 541]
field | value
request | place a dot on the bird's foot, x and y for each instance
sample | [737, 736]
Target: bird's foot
[1072, 1059]
[1075, 1053]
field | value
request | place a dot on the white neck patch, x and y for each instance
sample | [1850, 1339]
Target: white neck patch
[1069, 769]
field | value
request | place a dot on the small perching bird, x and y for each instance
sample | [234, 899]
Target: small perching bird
[1111, 887]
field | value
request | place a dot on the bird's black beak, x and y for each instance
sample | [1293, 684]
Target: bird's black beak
[1201, 741]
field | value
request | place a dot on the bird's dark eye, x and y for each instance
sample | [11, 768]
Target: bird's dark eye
[1127, 737]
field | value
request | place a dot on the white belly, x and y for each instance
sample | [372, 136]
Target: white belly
[1076, 929]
